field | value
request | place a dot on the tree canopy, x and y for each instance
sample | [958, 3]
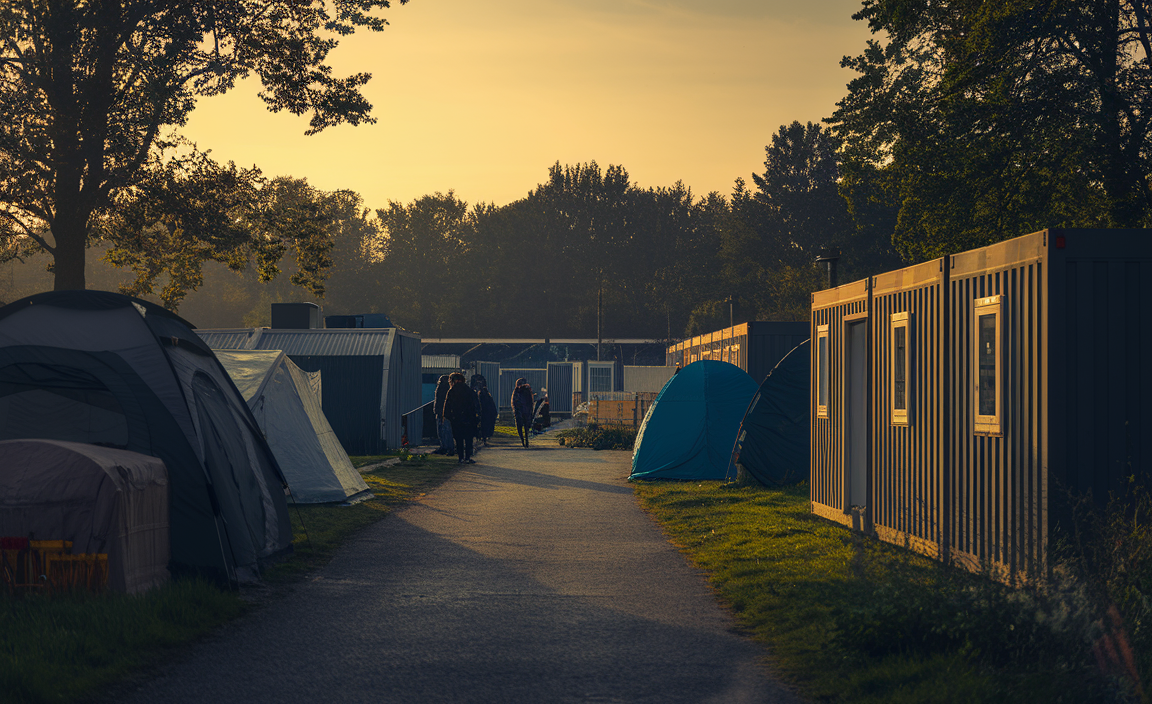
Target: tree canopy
[91, 93]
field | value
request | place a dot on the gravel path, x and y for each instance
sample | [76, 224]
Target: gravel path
[532, 576]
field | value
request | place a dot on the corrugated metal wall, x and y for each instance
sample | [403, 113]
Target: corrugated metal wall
[997, 497]
[827, 479]
[637, 378]
[537, 378]
[908, 482]
[560, 377]
[490, 371]
[351, 398]
[768, 343]
[409, 396]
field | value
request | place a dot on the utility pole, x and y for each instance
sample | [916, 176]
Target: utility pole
[599, 306]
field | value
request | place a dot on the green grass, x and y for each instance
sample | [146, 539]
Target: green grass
[850, 619]
[66, 648]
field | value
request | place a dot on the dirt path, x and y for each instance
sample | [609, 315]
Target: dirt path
[529, 577]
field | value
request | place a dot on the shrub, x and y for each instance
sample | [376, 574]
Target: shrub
[600, 437]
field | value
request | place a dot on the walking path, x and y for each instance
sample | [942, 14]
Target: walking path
[529, 577]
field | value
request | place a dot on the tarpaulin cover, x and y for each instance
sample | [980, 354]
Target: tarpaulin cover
[689, 430]
[102, 499]
[283, 400]
[772, 445]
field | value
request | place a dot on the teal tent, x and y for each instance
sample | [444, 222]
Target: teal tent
[772, 444]
[689, 430]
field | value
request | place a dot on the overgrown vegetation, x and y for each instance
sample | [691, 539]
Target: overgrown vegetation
[599, 437]
[851, 619]
[62, 649]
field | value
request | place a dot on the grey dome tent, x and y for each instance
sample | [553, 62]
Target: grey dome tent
[106, 369]
[690, 427]
[101, 499]
[286, 403]
[772, 445]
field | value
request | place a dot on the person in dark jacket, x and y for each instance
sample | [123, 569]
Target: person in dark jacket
[523, 405]
[443, 427]
[488, 414]
[460, 411]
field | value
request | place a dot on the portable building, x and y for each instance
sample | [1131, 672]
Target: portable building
[105, 369]
[755, 347]
[101, 499]
[959, 405]
[772, 445]
[286, 403]
[565, 379]
[689, 430]
[600, 377]
[372, 376]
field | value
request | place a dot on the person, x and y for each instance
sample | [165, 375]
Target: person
[488, 413]
[443, 427]
[540, 412]
[460, 411]
[523, 403]
[545, 411]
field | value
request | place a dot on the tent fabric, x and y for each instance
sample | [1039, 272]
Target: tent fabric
[103, 368]
[101, 499]
[772, 445]
[689, 429]
[283, 400]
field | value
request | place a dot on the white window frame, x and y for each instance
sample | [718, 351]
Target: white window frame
[823, 371]
[900, 321]
[988, 424]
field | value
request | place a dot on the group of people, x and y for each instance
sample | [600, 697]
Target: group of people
[465, 411]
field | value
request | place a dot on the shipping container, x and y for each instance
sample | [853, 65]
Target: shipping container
[1002, 384]
[756, 347]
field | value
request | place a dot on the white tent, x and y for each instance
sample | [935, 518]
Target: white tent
[286, 402]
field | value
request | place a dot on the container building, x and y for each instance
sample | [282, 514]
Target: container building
[755, 347]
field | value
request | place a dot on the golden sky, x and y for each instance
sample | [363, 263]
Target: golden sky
[482, 97]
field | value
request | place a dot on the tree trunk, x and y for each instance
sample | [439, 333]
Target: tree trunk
[70, 230]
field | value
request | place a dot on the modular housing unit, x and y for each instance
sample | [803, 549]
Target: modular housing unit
[370, 376]
[998, 385]
[755, 347]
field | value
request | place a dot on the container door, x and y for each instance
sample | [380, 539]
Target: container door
[855, 413]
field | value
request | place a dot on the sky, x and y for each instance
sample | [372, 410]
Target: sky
[483, 97]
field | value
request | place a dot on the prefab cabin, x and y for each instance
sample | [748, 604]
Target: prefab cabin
[755, 347]
[960, 404]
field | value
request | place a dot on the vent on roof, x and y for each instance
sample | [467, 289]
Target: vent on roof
[360, 320]
[295, 316]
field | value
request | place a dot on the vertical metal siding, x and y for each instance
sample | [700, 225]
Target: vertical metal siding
[491, 373]
[638, 378]
[410, 380]
[351, 398]
[560, 376]
[999, 483]
[536, 378]
[827, 475]
[908, 467]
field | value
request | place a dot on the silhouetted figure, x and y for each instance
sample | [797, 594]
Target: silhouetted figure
[523, 406]
[488, 414]
[460, 411]
[443, 427]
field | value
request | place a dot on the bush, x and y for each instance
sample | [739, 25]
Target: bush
[600, 437]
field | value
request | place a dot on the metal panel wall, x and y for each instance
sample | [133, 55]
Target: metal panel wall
[767, 344]
[997, 494]
[638, 378]
[490, 371]
[827, 477]
[537, 378]
[601, 377]
[351, 398]
[908, 469]
[560, 376]
[405, 366]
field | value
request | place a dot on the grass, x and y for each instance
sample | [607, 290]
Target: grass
[66, 648]
[850, 619]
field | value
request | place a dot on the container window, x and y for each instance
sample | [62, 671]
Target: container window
[988, 384]
[822, 361]
[901, 368]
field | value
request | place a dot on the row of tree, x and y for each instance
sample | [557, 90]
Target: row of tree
[969, 123]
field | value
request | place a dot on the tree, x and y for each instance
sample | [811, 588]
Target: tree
[89, 92]
[987, 120]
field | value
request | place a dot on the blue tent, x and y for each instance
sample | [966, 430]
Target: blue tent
[772, 444]
[689, 430]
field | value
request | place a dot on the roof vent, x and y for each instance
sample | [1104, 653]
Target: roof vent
[295, 316]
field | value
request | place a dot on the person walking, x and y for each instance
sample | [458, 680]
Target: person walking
[460, 411]
[488, 414]
[443, 427]
[524, 406]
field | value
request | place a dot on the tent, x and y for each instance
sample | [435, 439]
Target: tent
[286, 402]
[690, 427]
[101, 499]
[105, 369]
[772, 444]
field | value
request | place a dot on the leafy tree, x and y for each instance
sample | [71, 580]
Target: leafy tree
[89, 92]
[987, 120]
